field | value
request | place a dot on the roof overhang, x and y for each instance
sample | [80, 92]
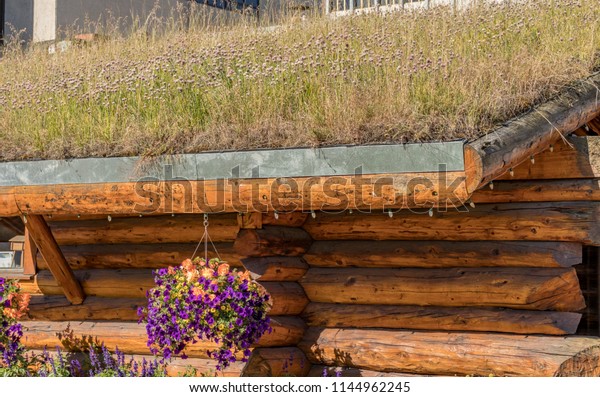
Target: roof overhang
[334, 178]
[377, 177]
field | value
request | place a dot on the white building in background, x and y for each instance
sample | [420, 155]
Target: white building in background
[46, 20]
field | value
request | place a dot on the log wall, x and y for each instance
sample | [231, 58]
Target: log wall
[475, 291]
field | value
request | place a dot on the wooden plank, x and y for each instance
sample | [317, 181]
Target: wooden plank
[288, 297]
[539, 191]
[276, 268]
[277, 361]
[535, 131]
[272, 241]
[441, 318]
[8, 205]
[443, 254]
[57, 308]
[536, 289]
[59, 268]
[146, 230]
[131, 338]
[575, 158]
[30, 253]
[175, 367]
[456, 353]
[250, 220]
[151, 256]
[569, 221]
[337, 192]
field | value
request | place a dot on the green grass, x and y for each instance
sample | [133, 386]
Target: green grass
[414, 76]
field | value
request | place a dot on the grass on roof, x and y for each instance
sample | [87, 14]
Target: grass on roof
[408, 76]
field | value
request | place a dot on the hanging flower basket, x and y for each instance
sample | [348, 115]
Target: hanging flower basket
[205, 301]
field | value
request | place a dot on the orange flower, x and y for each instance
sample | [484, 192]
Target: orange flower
[171, 270]
[223, 269]
[192, 276]
[244, 276]
[187, 265]
[207, 273]
[197, 291]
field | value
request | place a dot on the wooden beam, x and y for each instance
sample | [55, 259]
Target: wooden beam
[30, 252]
[250, 220]
[146, 230]
[150, 256]
[276, 268]
[8, 205]
[291, 219]
[57, 308]
[288, 297]
[575, 158]
[248, 195]
[519, 288]
[49, 249]
[568, 221]
[272, 241]
[131, 337]
[539, 191]
[443, 254]
[527, 322]
[456, 353]
[535, 131]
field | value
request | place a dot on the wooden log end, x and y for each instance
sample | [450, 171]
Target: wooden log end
[283, 361]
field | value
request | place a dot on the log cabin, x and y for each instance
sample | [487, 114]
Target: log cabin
[482, 259]
[471, 255]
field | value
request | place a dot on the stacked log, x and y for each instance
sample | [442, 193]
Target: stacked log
[272, 255]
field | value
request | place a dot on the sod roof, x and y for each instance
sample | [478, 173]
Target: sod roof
[415, 76]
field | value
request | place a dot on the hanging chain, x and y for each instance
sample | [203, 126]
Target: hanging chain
[205, 239]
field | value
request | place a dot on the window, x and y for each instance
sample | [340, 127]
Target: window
[14, 248]
[11, 254]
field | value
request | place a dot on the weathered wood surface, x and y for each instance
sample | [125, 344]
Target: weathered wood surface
[570, 221]
[277, 361]
[534, 132]
[57, 308]
[8, 205]
[291, 219]
[30, 252]
[250, 220]
[59, 268]
[272, 241]
[175, 367]
[321, 370]
[539, 190]
[575, 158]
[288, 297]
[243, 195]
[521, 288]
[437, 318]
[443, 254]
[131, 338]
[276, 268]
[151, 256]
[154, 229]
[453, 353]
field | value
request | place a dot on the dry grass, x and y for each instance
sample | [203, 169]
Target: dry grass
[415, 76]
